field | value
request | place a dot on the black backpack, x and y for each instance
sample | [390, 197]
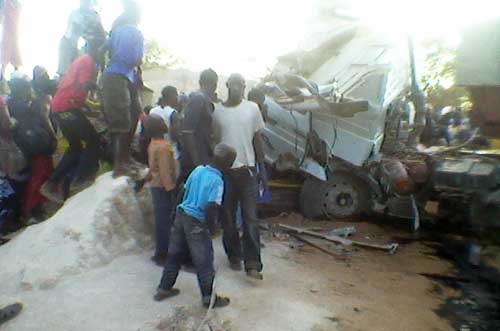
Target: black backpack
[31, 134]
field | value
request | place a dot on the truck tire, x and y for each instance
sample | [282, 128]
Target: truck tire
[345, 196]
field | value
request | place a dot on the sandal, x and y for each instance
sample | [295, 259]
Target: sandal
[10, 312]
[220, 302]
[162, 294]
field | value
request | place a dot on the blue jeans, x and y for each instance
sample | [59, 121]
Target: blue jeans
[242, 188]
[162, 203]
[190, 235]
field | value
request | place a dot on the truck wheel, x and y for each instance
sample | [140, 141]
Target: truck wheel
[311, 198]
[345, 196]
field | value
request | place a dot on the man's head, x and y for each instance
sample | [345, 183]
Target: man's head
[224, 156]
[147, 109]
[131, 12]
[20, 88]
[40, 72]
[236, 85]
[87, 4]
[155, 126]
[169, 96]
[208, 81]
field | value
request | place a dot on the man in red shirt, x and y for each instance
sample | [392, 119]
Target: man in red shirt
[80, 162]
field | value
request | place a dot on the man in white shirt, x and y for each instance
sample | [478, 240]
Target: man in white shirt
[238, 123]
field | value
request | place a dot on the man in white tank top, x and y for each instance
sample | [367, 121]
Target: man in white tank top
[238, 123]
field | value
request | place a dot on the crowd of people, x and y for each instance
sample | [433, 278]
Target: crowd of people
[204, 155]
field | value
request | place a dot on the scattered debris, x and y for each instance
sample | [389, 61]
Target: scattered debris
[324, 250]
[332, 238]
[432, 208]
[344, 232]
[333, 319]
[315, 229]
[296, 244]
[188, 319]
[391, 248]
[280, 236]
[416, 214]
[446, 279]
[264, 226]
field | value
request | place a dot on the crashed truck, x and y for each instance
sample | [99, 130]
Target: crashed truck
[346, 113]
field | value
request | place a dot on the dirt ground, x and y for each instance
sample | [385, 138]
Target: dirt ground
[373, 290]
[304, 289]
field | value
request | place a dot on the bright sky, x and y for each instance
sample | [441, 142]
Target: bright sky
[242, 35]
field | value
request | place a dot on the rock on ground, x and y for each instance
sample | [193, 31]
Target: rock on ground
[92, 229]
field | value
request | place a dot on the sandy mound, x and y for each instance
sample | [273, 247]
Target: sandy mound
[93, 228]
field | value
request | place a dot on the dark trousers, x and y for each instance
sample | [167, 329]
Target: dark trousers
[121, 103]
[162, 204]
[190, 235]
[81, 160]
[242, 188]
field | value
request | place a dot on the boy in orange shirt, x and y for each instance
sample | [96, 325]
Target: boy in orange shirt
[162, 179]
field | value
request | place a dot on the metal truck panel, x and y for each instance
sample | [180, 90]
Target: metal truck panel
[365, 67]
[467, 175]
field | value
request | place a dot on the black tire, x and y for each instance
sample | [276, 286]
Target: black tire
[345, 196]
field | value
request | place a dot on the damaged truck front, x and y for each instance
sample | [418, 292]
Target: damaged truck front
[340, 113]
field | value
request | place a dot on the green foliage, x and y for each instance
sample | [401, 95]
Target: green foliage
[439, 77]
[157, 57]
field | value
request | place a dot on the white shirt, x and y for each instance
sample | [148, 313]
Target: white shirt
[166, 115]
[236, 127]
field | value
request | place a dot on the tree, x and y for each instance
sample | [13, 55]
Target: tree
[157, 57]
[439, 77]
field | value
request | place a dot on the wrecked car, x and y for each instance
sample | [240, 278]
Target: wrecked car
[346, 113]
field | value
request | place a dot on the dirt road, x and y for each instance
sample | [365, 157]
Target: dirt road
[303, 290]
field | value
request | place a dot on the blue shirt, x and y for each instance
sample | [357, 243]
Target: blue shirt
[126, 46]
[204, 186]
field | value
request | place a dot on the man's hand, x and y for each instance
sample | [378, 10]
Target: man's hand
[259, 156]
[212, 216]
